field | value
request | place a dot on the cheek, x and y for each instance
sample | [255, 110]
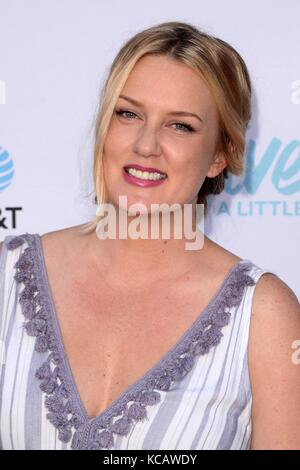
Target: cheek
[115, 137]
[119, 134]
[110, 169]
[113, 151]
[203, 156]
[194, 166]
[109, 164]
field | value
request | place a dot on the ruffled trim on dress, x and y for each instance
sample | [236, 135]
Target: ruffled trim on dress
[63, 411]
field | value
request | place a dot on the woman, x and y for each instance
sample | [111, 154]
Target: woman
[140, 343]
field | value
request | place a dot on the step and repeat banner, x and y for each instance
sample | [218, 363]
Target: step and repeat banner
[54, 56]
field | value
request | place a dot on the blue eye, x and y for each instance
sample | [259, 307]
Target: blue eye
[187, 127]
[119, 112]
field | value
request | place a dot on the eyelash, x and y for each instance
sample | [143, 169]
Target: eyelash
[189, 128]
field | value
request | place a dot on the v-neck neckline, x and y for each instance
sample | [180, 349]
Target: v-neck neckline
[76, 400]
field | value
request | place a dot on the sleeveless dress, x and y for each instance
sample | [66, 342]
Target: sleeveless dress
[198, 396]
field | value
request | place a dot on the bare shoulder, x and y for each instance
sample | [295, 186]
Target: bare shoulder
[62, 234]
[274, 365]
[59, 241]
[218, 262]
[62, 248]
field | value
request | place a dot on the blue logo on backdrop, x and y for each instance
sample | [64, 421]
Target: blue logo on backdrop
[6, 169]
[282, 166]
[8, 215]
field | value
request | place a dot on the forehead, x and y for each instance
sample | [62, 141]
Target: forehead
[161, 80]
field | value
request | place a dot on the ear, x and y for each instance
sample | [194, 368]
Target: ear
[217, 166]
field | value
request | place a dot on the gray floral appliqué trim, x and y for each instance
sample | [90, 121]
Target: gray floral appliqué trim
[65, 411]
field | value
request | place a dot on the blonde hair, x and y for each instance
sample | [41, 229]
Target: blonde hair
[221, 68]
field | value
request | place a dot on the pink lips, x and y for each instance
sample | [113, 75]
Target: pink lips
[143, 168]
[138, 181]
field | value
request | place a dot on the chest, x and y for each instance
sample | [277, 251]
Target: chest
[113, 338]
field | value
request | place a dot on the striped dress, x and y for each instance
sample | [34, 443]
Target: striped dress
[198, 396]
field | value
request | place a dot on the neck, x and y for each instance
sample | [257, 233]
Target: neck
[140, 261]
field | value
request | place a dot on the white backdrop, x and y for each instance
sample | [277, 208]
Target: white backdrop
[53, 59]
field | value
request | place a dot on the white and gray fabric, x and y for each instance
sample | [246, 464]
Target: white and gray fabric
[198, 396]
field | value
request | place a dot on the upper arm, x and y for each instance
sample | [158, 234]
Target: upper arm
[274, 365]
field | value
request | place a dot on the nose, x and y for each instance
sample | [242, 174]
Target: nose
[147, 142]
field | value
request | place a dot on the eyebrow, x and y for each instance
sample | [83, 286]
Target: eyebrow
[176, 113]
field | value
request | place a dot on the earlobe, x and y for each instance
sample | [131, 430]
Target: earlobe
[217, 166]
